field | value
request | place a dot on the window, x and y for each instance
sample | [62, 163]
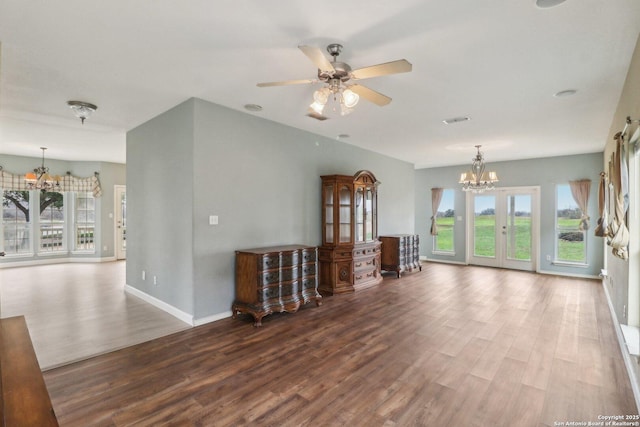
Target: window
[16, 222]
[85, 222]
[52, 223]
[55, 227]
[571, 244]
[445, 220]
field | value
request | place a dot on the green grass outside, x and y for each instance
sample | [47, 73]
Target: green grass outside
[484, 244]
[444, 241]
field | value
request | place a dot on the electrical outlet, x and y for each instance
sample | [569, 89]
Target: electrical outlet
[548, 257]
[624, 311]
[105, 248]
[155, 280]
[144, 275]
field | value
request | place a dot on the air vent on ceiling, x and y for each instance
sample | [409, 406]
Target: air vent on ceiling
[456, 120]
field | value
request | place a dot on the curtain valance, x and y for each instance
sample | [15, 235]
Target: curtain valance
[14, 182]
[436, 198]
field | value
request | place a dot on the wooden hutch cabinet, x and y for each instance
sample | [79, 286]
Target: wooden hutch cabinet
[349, 258]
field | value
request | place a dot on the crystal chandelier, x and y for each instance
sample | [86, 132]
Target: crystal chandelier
[82, 110]
[40, 179]
[341, 94]
[477, 180]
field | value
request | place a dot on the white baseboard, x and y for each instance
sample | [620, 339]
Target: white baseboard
[443, 261]
[560, 273]
[30, 262]
[628, 361]
[175, 312]
[213, 318]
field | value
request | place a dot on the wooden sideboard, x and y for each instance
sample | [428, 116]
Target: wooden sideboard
[275, 279]
[400, 252]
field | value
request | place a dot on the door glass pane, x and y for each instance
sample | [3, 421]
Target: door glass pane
[123, 210]
[484, 226]
[345, 214]
[518, 232]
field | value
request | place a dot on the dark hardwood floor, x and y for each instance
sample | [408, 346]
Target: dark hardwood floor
[448, 346]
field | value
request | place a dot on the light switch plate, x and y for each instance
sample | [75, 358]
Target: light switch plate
[213, 219]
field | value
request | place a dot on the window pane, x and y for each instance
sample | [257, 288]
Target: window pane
[445, 219]
[84, 222]
[16, 222]
[570, 241]
[51, 222]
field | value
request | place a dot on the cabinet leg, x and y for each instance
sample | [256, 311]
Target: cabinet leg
[258, 322]
[398, 273]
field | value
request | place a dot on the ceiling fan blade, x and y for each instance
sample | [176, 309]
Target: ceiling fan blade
[318, 58]
[371, 95]
[393, 67]
[287, 82]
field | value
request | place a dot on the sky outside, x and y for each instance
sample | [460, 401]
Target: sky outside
[523, 203]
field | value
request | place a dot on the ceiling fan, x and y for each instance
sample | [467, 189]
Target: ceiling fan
[336, 74]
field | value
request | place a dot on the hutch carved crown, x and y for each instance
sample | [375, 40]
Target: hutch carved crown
[349, 258]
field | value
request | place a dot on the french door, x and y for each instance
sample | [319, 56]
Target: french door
[503, 228]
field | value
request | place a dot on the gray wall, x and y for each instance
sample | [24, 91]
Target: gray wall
[110, 174]
[160, 207]
[261, 179]
[545, 173]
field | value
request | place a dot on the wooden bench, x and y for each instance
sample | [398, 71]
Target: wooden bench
[25, 399]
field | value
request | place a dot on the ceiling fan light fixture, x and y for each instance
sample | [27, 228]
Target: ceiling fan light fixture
[317, 107]
[349, 98]
[82, 110]
[344, 110]
[321, 96]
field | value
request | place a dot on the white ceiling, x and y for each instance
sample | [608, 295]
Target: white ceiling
[496, 61]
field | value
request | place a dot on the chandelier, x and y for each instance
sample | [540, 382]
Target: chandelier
[82, 110]
[40, 179]
[341, 94]
[477, 180]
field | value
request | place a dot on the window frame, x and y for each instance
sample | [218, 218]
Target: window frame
[557, 230]
[69, 228]
[435, 249]
[74, 229]
[64, 247]
[29, 228]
